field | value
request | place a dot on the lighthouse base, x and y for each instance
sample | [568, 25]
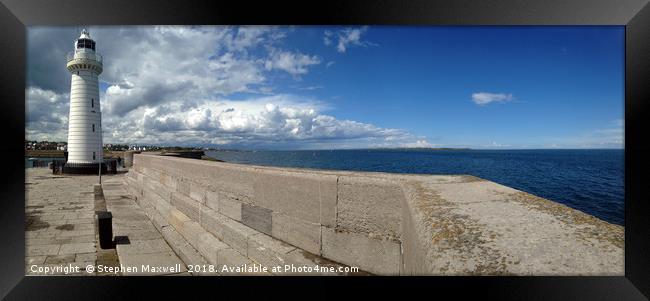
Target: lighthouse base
[83, 168]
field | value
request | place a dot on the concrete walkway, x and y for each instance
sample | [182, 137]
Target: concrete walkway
[139, 244]
[478, 227]
[60, 224]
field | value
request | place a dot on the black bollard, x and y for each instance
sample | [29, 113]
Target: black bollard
[105, 224]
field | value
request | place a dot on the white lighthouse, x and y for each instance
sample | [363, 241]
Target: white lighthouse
[85, 148]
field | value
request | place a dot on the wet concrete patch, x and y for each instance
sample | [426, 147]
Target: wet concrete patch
[34, 223]
[66, 227]
[72, 208]
[47, 178]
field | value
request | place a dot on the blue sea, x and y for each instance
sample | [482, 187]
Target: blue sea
[588, 180]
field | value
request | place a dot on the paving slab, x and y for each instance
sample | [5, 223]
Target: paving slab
[152, 264]
[60, 222]
[77, 248]
[141, 250]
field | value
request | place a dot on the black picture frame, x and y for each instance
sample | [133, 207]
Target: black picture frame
[15, 15]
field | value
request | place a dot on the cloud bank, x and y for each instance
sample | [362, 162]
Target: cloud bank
[178, 85]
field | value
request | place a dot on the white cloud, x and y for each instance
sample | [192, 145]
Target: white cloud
[294, 63]
[346, 37]
[251, 36]
[484, 98]
[174, 85]
[274, 121]
[46, 114]
[327, 38]
[168, 63]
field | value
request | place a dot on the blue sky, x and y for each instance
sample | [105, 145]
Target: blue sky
[343, 87]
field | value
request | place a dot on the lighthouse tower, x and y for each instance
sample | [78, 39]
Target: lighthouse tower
[85, 148]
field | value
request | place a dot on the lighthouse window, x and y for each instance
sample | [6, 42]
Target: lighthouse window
[92, 102]
[93, 127]
[93, 155]
[85, 43]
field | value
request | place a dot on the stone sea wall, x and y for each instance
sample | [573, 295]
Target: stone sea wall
[388, 224]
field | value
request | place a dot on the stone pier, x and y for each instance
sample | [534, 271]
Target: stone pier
[192, 213]
[380, 223]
